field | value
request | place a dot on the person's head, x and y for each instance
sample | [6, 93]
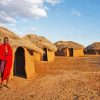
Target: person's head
[6, 40]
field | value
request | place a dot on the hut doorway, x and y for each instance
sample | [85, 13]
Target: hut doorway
[45, 58]
[71, 52]
[19, 63]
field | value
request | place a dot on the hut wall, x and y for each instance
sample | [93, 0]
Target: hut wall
[93, 52]
[29, 64]
[78, 53]
[63, 52]
[98, 52]
[50, 55]
[37, 57]
[66, 52]
[11, 73]
[59, 53]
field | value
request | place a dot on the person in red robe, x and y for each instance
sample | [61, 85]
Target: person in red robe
[5, 61]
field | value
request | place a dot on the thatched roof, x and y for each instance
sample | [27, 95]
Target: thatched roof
[68, 44]
[17, 41]
[41, 42]
[5, 32]
[93, 46]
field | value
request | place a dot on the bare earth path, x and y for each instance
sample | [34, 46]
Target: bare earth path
[74, 78]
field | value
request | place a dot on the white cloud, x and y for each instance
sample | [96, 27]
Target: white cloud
[4, 18]
[11, 10]
[53, 2]
[76, 13]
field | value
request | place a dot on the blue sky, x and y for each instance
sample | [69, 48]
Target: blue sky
[69, 20]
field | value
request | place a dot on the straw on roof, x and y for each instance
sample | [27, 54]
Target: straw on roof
[5, 32]
[93, 46]
[68, 44]
[16, 41]
[41, 42]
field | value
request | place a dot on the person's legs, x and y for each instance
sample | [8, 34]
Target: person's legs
[7, 80]
[1, 84]
[6, 85]
[2, 72]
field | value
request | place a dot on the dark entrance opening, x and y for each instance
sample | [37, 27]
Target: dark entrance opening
[45, 55]
[19, 63]
[71, 52]
[91, 52]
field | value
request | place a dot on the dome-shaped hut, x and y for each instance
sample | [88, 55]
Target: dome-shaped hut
[23, 60]
[94, 48]
[48, 48]
[69, 48]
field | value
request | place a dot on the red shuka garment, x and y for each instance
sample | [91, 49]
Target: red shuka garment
[7, 58]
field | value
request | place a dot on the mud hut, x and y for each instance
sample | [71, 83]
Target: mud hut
[23, 61]
[48, 48]
[69, 49]
[94, 48]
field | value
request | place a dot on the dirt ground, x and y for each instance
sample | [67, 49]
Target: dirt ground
[67, 78]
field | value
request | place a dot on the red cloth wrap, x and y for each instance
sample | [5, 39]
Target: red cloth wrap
[7, 58]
